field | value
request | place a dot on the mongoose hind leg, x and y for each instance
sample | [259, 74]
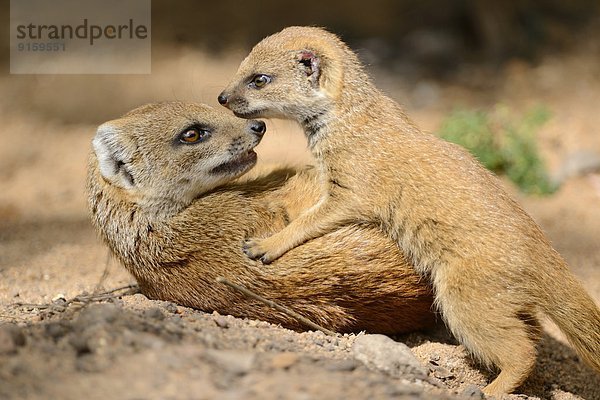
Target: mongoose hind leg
[495, 331]
[510, 378]
[512, 350]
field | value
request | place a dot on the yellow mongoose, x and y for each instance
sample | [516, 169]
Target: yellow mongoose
[491, 267]
[149, 190]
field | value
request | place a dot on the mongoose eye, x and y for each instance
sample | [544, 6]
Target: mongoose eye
[260, 80]
[193, 135]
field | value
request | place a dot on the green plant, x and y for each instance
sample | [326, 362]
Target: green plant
[503, 143]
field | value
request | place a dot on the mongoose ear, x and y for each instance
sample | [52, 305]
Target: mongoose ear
[113, 155]
[311, 63]
[322, 71]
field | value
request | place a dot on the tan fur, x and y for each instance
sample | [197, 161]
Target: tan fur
[491, 266]
[175, 246]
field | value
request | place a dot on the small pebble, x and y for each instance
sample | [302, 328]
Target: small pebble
[171, 307]
[381, 353]
[59, 297]
[441, 372]
[138, 297]
[236, 362]
[221, 321]
[473, 392]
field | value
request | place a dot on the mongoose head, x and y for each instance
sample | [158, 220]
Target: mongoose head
[295, 74]
[173, 152]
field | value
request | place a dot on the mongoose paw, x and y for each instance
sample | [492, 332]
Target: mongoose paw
[253, 249]
[256, 249]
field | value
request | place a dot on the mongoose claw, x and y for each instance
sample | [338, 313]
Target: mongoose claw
[255, 249]
[266, 260]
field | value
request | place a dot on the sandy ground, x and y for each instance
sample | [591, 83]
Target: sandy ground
[132, 347]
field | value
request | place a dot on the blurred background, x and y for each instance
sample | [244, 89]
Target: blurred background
[420, 45]
[517, 82]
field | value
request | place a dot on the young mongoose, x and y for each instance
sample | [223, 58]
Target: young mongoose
[151, 195]
[490, 265]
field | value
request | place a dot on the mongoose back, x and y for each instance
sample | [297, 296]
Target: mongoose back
[152, 197]
[490, 265]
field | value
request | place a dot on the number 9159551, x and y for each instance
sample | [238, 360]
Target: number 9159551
[41, 46]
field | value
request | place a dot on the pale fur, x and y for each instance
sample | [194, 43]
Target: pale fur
[491, 266]
[176, 233]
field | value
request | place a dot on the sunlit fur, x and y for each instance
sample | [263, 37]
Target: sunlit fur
[491, 267]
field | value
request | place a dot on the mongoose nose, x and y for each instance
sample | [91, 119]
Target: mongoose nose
[258, 127]
[222, 99]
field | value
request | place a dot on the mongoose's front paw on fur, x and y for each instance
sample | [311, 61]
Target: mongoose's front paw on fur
[261, 249]
[252, 249]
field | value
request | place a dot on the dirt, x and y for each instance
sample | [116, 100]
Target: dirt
[129, 347]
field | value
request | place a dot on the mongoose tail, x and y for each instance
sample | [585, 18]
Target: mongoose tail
[577, 316]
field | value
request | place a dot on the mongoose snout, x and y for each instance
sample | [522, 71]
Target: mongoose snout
[242, 152]
[222, 99]
[239, 105]
[258, 127]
